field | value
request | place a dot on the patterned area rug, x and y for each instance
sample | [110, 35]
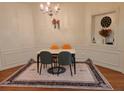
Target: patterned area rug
[87, 77]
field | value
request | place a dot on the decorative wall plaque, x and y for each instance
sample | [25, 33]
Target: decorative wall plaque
[106, 21]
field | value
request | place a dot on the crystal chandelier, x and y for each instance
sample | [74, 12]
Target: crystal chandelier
[50, 9]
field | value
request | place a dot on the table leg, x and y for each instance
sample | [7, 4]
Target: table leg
[38, 63]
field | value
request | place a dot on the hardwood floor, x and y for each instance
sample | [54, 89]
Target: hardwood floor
[115, 78]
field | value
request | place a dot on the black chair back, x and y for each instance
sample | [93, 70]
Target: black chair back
[45, 57]
[64, 58]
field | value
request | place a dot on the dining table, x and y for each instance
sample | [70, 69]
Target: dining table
[56, 52]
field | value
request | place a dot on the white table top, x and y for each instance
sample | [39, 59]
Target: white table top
[57, 51]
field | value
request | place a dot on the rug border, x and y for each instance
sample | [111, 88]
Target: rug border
[103, 77]
[49, 86]
[31, 60]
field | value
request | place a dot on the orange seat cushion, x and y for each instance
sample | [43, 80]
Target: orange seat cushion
[66, 46]
[54, 46]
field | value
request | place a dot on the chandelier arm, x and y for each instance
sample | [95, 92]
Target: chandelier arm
[49, 9]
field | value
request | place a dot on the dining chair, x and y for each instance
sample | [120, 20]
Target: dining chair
[66, 46]
[65, 58]
[45, 58]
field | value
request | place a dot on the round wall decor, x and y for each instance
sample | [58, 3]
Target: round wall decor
[106, 21]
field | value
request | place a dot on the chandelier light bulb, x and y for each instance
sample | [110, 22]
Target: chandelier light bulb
[46, 9]
[48, 4]
[56, 8]
[41, 6]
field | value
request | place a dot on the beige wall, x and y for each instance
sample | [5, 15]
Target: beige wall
[16, 34]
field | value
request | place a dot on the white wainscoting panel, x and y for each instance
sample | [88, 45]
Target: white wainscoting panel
[0, 61]
[16, 57]
[122, 61]
[109, 59]
[81, 55]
